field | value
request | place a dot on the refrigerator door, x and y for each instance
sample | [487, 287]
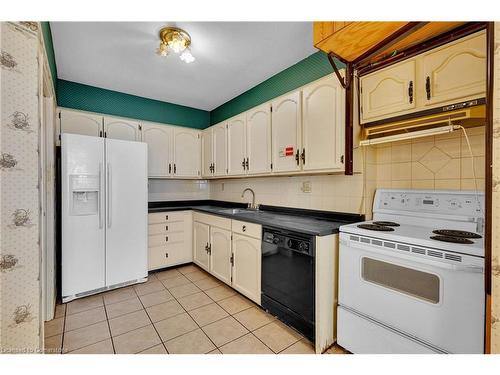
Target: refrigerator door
[82, 163]
[126, 211]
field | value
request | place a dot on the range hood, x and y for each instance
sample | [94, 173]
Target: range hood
[440, 123]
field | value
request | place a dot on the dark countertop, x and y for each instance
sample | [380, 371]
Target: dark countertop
[318, 223]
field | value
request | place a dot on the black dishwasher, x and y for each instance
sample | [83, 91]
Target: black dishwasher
[288, 278]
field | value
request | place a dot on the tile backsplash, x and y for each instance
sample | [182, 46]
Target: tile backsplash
[174, 190]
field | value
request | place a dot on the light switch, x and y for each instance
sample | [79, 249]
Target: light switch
[306, 187]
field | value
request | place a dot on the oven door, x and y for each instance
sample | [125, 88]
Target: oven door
[437, 302]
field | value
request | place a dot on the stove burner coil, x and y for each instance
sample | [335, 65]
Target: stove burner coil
[456, 233]
[386, 223]
[375, 227]
[458, 240]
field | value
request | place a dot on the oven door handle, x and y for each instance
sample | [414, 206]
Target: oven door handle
[414, 258]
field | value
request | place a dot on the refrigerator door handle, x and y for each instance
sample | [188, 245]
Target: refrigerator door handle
[100, 196]
[108, 195]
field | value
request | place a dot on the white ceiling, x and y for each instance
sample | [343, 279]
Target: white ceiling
[231, 57]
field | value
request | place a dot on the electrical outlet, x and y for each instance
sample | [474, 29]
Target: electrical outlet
[306, 187]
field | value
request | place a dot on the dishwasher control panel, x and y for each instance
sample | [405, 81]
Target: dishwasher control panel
[290, 241]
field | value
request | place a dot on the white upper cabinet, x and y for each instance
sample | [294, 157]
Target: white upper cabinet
[258, 139]
[125, 130]
[455, 71]
[286, 132]
[236, 144]
[389, 91]
[207, 151]
[186, 161]
[323, 125]
[219, 137]
[82, 123]
[159, 140]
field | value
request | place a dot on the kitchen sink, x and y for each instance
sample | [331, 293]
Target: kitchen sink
[234, 211]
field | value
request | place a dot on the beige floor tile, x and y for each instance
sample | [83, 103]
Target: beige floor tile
[195, 342]
[188, 269]
[248, 344]
[224, 330]
[215, 351]
[197, 275]
[175, 281]
[184, 290]
[207, 283]
[124, 307]
[85, 336]
[335, 349]
[53, 344]
[149, 287]
[85, 318]
[235, 304]
[157, 349]
[54, 327]
[167, 274]
[175, 326]
[208, 314]
[193, 301]
[253, 318]
[83, 304]
[300, 347]
[103, 347]
[128, 322]
[136, 341]
[60, 311]
[156, 298]
[277, 336]
[220, 292]
[164, 310]
[119, 295]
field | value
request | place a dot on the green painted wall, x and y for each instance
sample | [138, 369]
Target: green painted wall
[303, 72]
[49, 49]
[94, 99]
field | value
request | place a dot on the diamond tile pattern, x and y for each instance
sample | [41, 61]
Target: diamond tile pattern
[171, 314]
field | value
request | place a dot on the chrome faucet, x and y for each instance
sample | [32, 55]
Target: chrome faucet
[252, 205]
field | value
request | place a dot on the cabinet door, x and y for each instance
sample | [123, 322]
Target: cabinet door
[286, 132]
[115, 128]
[220, 149]
[220, 257]
[455, 72]
[323, 123]
[388, 92]
[201, 239]
[236, 154]
[207, 151]
[187, 153]
[247, 266]
[82, 123]
[259, 139]
[159, 140]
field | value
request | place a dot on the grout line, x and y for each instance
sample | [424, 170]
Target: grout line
[109, 328]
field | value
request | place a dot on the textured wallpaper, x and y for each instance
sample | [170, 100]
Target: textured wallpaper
[19, 195]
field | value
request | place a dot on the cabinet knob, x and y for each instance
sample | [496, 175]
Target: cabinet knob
[244, 228]
[166, 217]
[166, 255]
[166, 227]
[166, 238]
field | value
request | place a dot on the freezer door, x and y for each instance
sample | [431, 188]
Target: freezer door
[126, 211]
[82, 163]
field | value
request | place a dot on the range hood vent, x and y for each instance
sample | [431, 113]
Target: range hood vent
[440, 123]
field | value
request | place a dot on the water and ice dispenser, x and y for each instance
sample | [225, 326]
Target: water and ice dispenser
[84, 194]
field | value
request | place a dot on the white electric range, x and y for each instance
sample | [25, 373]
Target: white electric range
[412, 280]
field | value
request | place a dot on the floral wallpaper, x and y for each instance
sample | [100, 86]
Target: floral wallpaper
[19, 194]
[495, 293]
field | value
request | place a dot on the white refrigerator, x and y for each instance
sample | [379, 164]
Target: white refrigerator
[104, 214]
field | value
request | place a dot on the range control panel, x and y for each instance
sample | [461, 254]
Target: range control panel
[456, 203]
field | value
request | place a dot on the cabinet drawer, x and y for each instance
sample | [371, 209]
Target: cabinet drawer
[216, 221]
[169, 255]
[167, 216]
[164, 239]
[168, 227]
[248, 229]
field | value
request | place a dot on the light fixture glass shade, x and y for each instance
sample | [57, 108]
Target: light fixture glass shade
[187, 57]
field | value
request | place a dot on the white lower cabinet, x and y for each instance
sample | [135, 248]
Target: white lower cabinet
[169, 239]
[247, 266]
[230, 251]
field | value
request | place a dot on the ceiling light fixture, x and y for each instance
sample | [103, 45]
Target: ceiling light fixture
[173, 39]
